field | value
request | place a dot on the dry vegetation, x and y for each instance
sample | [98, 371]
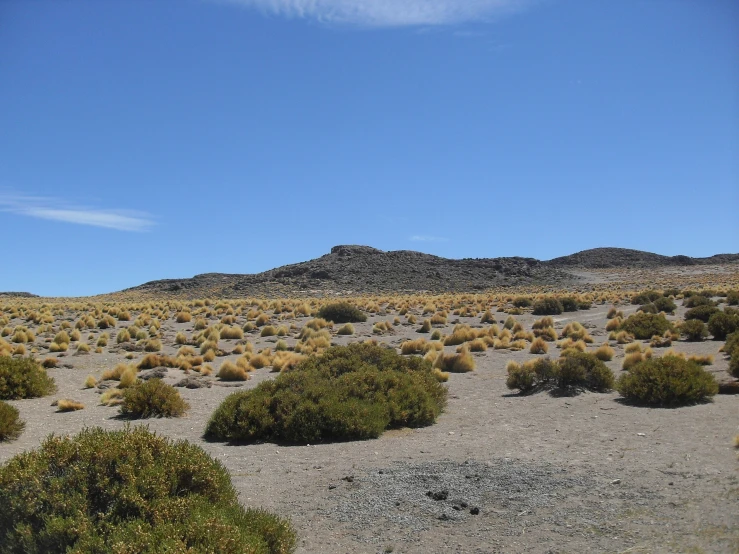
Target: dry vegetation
[130, 351]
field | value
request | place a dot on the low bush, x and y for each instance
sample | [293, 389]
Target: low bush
[667, 381]
[702, 313]
[664, 304]
[521, 302]
[644, 326]
[646, 297]
[23, 378]
[548, 306]
[569, 304]
[128, 491]
[349, 392]
[693, 330]
[573, 371]
[11, 425]
[152, 398]
[722, 324]
[583, 370]
[342, 312]
[732, 297]
[695, 300]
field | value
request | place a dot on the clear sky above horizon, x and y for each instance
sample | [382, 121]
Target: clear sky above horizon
[146, 140]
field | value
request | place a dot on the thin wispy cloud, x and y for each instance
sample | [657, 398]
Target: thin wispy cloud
[428, 238]
[58, 210]
[386, 13]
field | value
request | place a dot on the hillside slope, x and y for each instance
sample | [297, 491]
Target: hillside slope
[353, 269]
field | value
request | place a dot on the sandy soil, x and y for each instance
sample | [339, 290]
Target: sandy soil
[548, 474]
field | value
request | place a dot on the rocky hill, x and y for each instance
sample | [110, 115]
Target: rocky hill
[351, 269]
[362, 269]
[599, 258]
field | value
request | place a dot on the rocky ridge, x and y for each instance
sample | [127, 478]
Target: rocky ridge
[354, 269]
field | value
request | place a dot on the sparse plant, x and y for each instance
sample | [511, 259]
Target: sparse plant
[644, 326]
[152, 398]
[342, 312]
[548, 306]
[67, 405]
[11, 426]
[352, 392]
[667, 381]
[174, 498]
[23, 378]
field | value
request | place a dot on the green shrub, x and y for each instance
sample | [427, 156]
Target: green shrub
[583, 370]
[152, 398]
[664, 304]
[575, 370]
[702, 313]
[521, 377]
[342, 312]
[128, 491]
[584, 305]
[731, 348]
[350, 392]
[644, 326]
[694, 330]
[23, 378]
[666, 381]
[522, 302]
[732, 297]
[722, 324]
[10, 424]
[646, 297]
[569, 304]
[548, 306]
[695, 300]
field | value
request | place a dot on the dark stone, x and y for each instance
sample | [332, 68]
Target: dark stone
[475, 511]
[438, 495]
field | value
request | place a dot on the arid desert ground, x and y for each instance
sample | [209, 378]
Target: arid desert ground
[497, 472]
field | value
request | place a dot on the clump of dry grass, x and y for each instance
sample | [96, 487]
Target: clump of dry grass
[230, 371]
[462, 362]
[576, 331]
[604, 352]
[539, 346]
[346, 329]
[286, 361]
[183, 317]
[128, 377]
[614, 324]
[90, 382]
[260, 360]
[268, 331]
[232, 333]
[632, 359]
[67, 405]
[50, 362]
[180, 338]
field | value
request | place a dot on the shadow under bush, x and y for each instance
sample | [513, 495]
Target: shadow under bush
[350, 392]
[128, 491]
[666, 381]
[23, 378]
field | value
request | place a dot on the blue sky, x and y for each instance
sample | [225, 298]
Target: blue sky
[144, 140]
